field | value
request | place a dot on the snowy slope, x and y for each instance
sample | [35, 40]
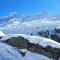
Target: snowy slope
[35, 56]
[36, 40]
[30, 27]
[9, 53]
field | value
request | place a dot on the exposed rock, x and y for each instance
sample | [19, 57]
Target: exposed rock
[57, 30]
[45, 33]
[18, 42]
[47, 51]
[54, 35]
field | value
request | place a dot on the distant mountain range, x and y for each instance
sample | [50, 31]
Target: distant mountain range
[12, 17]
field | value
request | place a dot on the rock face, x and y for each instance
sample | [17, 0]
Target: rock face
[18, 42]
[47, 51]
[54, 35]
[57, 30]
[22, 43]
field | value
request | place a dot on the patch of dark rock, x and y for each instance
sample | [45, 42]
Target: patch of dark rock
[57, 30]
[0, 37]
[50, 34]
[18, 42]
[22, 53]
[47, 51]
[44, 33]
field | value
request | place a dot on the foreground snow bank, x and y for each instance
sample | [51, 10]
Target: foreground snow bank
[9, 53]
[35, 56]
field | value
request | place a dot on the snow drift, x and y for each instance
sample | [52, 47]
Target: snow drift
[7, 52]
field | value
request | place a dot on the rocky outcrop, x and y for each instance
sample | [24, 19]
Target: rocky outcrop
[54, 35]
[22, 43]
[44, 33]
[57, 30]
[18, 42]
[47, 51]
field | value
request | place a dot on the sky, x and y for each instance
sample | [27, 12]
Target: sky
[28, 6]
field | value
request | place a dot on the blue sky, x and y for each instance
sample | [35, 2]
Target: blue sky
[30, 6]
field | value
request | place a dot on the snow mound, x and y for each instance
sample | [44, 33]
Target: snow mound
[9, 53]
[1, 33]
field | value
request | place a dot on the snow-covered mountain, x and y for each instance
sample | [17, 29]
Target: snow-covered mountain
[13, 17]
[30, 28]
[41, 30]
[28, 23]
